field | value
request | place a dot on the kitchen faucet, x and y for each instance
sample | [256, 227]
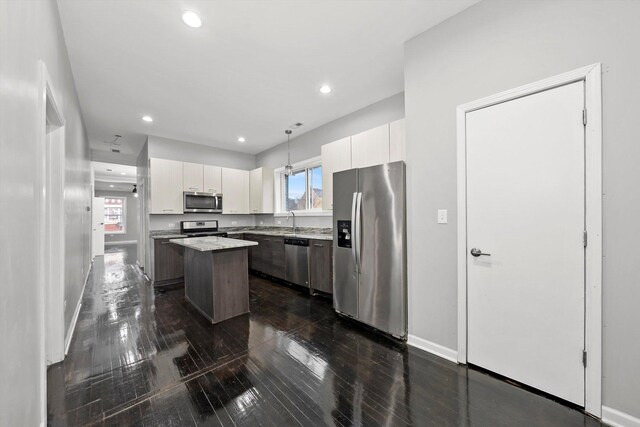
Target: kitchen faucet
[294, 220]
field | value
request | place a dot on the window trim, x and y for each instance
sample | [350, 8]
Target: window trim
[279, 189]
[124, 215]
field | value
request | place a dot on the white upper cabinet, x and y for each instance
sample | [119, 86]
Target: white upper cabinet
[261, 191]
[336, 157]
[370, 147]
[165, 178]
[212, 179]
[397, 141]
[193, 177]
[235, 191]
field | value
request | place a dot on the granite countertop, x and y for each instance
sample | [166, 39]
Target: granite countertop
[303, 232]
[166, 235]
[212, 243]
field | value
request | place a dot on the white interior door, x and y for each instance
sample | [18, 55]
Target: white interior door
[97, 215]
[526, 208]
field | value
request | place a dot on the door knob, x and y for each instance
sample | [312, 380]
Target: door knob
[478, 252]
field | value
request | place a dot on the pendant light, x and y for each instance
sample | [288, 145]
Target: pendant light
[288, 170]
[135, 190]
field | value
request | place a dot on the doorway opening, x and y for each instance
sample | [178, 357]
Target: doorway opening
[116, 219]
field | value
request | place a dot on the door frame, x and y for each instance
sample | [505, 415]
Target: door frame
[50, 170]
[591, 75]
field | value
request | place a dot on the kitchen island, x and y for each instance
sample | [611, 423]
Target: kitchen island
[216, 275]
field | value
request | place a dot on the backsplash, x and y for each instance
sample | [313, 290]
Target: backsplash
[301, 221]
[172, 222]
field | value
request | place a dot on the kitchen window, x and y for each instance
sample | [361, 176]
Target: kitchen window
[114, 215]
[301, 191]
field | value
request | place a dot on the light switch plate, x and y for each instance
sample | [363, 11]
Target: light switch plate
[442, 216]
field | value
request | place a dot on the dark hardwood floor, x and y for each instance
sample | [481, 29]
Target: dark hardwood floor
[145, 357]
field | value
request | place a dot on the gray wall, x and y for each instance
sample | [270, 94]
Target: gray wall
[164, 148]
[491, 47]
[131, 211]
[30, 31]
[308, 145]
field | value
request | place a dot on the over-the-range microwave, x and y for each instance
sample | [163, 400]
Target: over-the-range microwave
[195, 201]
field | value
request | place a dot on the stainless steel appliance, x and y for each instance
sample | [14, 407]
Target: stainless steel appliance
[202, 202]
[369, 246]
[296, 260]
[201, 228]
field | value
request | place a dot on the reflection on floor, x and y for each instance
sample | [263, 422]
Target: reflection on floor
[145, 357]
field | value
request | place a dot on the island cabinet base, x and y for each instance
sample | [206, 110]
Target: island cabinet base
[217, 283]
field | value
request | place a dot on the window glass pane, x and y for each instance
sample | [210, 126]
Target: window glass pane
[315, 186]
[296, 191]
[114, 215]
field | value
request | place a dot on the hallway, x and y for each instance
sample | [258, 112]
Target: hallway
[145, 357]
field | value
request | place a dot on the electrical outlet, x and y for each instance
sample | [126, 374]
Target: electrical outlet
[234, 222]
[279, 222]
[172, 225]
[261, 222]
[64, 306]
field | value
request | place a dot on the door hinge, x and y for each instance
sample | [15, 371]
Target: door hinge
[584, 117]
[584, 358]
[584, 238]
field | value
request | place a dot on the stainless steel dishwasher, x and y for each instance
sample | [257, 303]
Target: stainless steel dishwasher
[296, 255]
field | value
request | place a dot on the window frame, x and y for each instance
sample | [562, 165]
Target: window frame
[280, 189]
[124, 215]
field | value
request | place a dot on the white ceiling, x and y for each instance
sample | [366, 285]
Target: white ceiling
[109, 172]
[252, 70]
[113, 186]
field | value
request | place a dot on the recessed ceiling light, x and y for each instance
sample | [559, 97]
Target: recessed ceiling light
[123, 173]
[111, 185]
[109, 170]
[325, 89]
[192, 19]
[241, 139]
[147, 119]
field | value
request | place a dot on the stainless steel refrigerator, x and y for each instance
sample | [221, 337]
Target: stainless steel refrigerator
[369, 246]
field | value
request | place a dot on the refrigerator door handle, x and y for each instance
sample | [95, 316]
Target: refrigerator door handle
[358, 228]
[353, 231]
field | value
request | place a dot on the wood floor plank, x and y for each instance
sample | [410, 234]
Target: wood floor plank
[144, 357]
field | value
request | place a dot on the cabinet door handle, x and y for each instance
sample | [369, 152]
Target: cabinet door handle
[318, 245]
[167, 210]
[165, 243]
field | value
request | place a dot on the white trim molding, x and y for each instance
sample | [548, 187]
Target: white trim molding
[76, 313]
[617, 418]
[433, 348]
[591, 76]
[49, 170]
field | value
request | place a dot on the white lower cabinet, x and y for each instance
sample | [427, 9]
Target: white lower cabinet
[336, 157]
[235, 191]
[165, 178]
[261, 191]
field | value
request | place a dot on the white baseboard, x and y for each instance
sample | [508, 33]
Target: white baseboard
[617, 418]
[74, 319]
[124, 242]
[433, 348]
